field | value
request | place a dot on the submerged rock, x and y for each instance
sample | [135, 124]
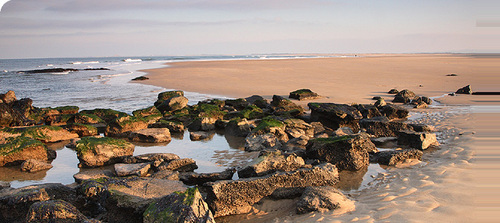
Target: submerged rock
[325, 198]
[335, 115]
[94, 152]
[33, 165]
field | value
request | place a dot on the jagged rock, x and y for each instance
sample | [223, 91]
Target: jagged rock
[33, 165]
[137, 169]
[404, 96]
[19, 149]
[122, 127]
[303, 94]
[198, 136]
[82, 130]
[283, 106]
[153, 135]
[465, 90]
[270, 162]
[8, 97]
[15, 203]
[368, 111]
[94, 152]
[187, 206]
[259, 142]
[335, 115]
[173, 104]
[239, 128]
[391, 158]
[417, 140]
[173, 126]
[323, 199]
[54, 211]
[382, 127]
[238, 196]
[181, 165]
[192, 178]
[163, 96]
[342, 132]
[380, 103]
[393, 91]
[394, 111]
[107, 115]
[298, 127]
[346, 152]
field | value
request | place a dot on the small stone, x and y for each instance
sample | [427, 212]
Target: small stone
[33, 165]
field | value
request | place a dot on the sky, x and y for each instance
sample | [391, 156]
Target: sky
[95, 28]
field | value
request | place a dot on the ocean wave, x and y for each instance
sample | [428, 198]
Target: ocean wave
[80, 62]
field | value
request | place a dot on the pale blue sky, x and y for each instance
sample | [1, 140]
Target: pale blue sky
[81, 28]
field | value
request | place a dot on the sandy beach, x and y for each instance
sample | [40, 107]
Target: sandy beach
[452, 184]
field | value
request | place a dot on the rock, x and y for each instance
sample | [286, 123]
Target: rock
[54, 211]
[238, 104]
[166, 175]
[250, 112]
[33, 165]
[82, 130]
[426, 100]
[138, 169]
[163, 96]
[404, 96]
[394, 111]
[346, 152]
[181, 165]
[451, 75]
[417, 140]
[94, 152]
[122, 127]
[152, 158]
[141, 78]
[4, 185]
[380, 103]
[153, 135]
[422, 128]
[107, 115]
[238, 127]
[146, 112]
[173, 104]
[8, 97]
[270, 162]
[173, 126]
[465, 90]
[19, 149]
[44, 133]
[15, 203]
[202, 124]
[335, 115]
[298, 127]
[259, 142]
[287, 193]
[198, 136]
[191, 178]
[393, 91]
[94, 195]
[237, 196]
[94, 174]
[283, 106]
[187, 206]
[322, 199]
[382, 127]
[420, 105]
[344, 131]
[391, 158]
[368, 111]
[83, 118]
[303, 94]
[297, 145]
[258, 101]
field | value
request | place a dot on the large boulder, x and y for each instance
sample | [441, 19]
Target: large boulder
[270, 162]
[303, 94]
[404, 96]
[14, 204]
[382, 127]
[173, 104]
[54, 211]
[153, 135]
[392, 111]
[283, 106]
[94, 152]
[163, 96]
[19, 149]
[122, 127]
[322, 199]
[348, 152]
[394, 157]
[335, 116]
[417, 140]
[238, 196]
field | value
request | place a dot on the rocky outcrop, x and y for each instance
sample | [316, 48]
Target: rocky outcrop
[54, 211]
[270, 162]
[19, 149]
[382, 127]
[94, 152]
[346, 152]
[417, 140]
[322, 199]
[14, 204]
[394, 111]
[122, 127]
[283, 106]
[368, 111]
[303, 94]
[270, 133]
[393, 157]
[153, 135]
[237, 197]
[238, 127]
[33, 165]
[191, 178]
[107, 115]
[187, 206]
[163, 96]
[146, 112]
[82, 130]
[335, 116]
[83, 118]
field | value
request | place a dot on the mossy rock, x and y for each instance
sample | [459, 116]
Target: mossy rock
[252, 112]
[94, 152]
[163, 96]
[121, 127]
[303, 94]
[44, 133]
[173, 126]
[146, 112]
[68, 109]
[54, 211]
[82, 129]
[267, 123]
[107, 115]
[209, 111]
[19, 149]
[83, 118]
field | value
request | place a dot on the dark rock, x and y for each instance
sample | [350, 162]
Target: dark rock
[465, 90]
[123, 126]
[141, 78]
[270, 162]
[385, 142]
[173, 104]
[238, 104]
[376, 98]
[422, 127]
[404, 96]
[94, 152]
[173, 126]
[198, 136]
[287, 193]
[380, 103]
[346, 152]
[23, 106]
[303, 94]
[191, 178]
[49, 70]
[163, 96]
[54, 211]
[188, 206]
[382, 127]
[451, 75]
[258, 101]
[426, 100]
[237, 197]
[153, 135]
[82, 129]
[94, 195]
[19, 149]
[107, 115]
[137, 169]
[202, 124]
[391, 158]
[283, 106]
[393, 91]
[15, 203]
[83, 118]
[152, 158]
[181, 165]
[33, 165]
[335, 115]
[238, 128]
[394, 111]
[325, 198]
[417, 140]
[368, 111]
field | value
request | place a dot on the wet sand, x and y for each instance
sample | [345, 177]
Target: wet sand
[456, 183]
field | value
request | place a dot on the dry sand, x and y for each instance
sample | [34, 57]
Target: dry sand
[458, 183]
